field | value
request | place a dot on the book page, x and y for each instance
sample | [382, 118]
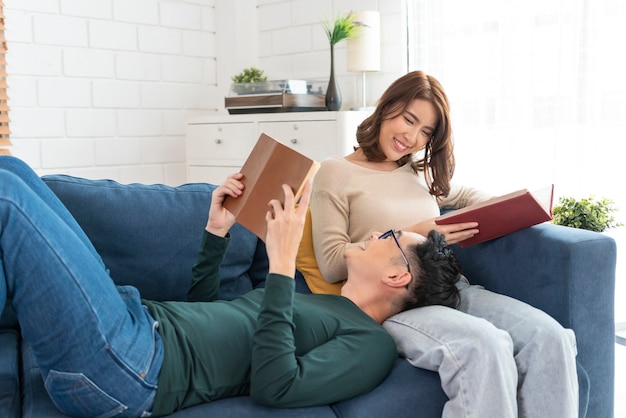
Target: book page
[545, 197]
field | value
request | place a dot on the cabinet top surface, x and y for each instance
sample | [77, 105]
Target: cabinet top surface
[277, 117]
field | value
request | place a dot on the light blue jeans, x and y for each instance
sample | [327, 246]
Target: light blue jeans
[96, 345]
[496, 356]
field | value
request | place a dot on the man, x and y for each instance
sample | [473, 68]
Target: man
[103, 350]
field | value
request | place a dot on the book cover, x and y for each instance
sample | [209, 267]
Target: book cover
[269, 166]
[504, 214]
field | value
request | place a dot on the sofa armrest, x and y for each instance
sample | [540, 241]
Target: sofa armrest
[568, 273]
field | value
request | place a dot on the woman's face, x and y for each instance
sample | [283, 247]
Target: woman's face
[409, 131]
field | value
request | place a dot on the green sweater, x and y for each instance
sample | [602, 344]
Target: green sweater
[283, 348]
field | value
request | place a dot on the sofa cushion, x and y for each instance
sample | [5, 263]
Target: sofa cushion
[7, 316]
[245, 407]
[9, 376]
[406, 392]
[150, 234]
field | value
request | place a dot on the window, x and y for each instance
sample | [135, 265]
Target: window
[537, 89]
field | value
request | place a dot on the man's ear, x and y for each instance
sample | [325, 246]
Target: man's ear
[400, 279]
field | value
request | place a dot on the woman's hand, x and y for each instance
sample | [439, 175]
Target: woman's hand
[221, 220]
[284, 230]
[452, 233]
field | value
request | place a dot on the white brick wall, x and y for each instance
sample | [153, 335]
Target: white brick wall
[103, 88]
[292, 43]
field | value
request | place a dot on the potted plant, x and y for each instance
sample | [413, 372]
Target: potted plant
[249, 81]
[343, 27]
[586, 213]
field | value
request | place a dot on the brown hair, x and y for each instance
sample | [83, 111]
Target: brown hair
[438, 162]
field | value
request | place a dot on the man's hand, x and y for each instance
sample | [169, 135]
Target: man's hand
[284, 230]
[221, 220]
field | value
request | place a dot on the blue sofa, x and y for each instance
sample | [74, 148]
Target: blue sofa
[149, 237]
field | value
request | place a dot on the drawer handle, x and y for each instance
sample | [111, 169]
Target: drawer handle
[218, 141]
[294, 140]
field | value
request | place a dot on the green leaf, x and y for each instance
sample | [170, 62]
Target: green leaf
[586, 213]
[249, 75]
[343, 27]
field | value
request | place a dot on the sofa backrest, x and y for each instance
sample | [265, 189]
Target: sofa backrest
[149, 235]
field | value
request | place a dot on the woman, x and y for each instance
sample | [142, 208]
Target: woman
[399, 177]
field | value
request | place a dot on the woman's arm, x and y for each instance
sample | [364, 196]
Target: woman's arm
[459, 197]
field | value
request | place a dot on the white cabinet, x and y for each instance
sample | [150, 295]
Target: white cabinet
[217, 146]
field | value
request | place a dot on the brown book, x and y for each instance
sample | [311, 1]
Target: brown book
[504, 214]
[269, 166]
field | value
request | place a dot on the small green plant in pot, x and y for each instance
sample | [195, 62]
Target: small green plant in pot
[586, 213]
[249, 81]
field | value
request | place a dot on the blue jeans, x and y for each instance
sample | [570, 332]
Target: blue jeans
[97, 347]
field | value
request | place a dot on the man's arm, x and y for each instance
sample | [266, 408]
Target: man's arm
[338, 367]
[285, 225]
[205, 274]
[327, 372]
[205, 279]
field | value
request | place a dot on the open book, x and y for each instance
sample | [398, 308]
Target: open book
[269, 166]
[504, 214]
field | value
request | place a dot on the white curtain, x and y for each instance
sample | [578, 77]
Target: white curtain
[537, 90]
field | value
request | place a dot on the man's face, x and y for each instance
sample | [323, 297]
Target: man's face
[373, 257]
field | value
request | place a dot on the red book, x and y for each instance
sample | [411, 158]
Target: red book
[504, 214]
[269, 166]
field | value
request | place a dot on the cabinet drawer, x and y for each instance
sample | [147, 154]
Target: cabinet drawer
[220, 141]
[315, 139]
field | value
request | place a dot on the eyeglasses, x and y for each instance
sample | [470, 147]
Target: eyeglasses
[392, 233]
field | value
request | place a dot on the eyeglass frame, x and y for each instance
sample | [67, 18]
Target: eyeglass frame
[392, 233]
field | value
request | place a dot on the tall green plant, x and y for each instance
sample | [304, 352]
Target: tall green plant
[343, 27]
[586, 213]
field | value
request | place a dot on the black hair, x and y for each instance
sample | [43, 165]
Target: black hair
[435, 270]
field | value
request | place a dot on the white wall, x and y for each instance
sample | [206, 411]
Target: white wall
[103, 88]
[292, 44]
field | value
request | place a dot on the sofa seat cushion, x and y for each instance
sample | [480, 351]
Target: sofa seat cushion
[10, 398]
[245, 407]
[149, 234]
[406, 392]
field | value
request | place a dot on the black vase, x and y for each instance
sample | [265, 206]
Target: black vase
[333, 94]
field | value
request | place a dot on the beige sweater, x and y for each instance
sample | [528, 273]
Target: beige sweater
[349, 202]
